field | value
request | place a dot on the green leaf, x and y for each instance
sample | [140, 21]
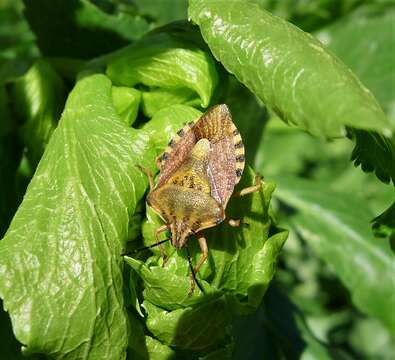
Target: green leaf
[371, 339]
[185, 328]
[336, 226]
[166, 288]
[289, 70]
[60, 263]
[39, 98]
[384, 225]
[144, 347]
[16, 39]
[163, 11]
[153, 101]
[163, 61]
[78, 28]
[370, 30]
[375, 152]
[126, 102]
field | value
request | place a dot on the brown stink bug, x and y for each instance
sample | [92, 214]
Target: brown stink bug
[198, 172]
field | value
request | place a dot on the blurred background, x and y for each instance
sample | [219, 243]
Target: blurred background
[307, 303]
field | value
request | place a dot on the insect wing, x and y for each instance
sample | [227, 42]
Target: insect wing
[226, 162]
[176, 152]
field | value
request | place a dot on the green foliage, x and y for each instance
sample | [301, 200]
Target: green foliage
[39, 97]
[370, 30]
[280, 67]
[162, 12]
[126, 102]
[384, 225]
[75, 256]
[90, 93]
[79, 28]
[151, 62]
[344, 240]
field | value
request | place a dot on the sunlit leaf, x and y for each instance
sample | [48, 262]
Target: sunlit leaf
[151, 62]
[126, 102]
[289, 70]
[62, 250]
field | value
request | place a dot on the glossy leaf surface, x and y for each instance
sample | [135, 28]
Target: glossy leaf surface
[67, 236]
[289, 70]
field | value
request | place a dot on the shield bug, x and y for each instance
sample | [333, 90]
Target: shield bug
[199, 169]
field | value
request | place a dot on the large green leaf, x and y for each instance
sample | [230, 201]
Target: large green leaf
[163, 61]
[39, 98]
[370, 30]
[60, 263]
[79, 28]
[289, 70]
[336, 226]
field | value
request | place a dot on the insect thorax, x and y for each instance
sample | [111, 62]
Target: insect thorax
[185, 202]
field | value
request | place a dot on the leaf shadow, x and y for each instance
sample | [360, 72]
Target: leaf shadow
[70, 37]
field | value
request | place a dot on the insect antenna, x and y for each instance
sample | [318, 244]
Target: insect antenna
[127, 253]
[192, 270]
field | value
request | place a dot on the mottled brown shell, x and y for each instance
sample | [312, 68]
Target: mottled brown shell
[226, 159]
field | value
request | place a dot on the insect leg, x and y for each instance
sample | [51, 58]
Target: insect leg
[236, 222]
[250, 189]
[129, 253]
[150, 175]
[204, 248]
[193, 274]
[158, 161]
[158, 242]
